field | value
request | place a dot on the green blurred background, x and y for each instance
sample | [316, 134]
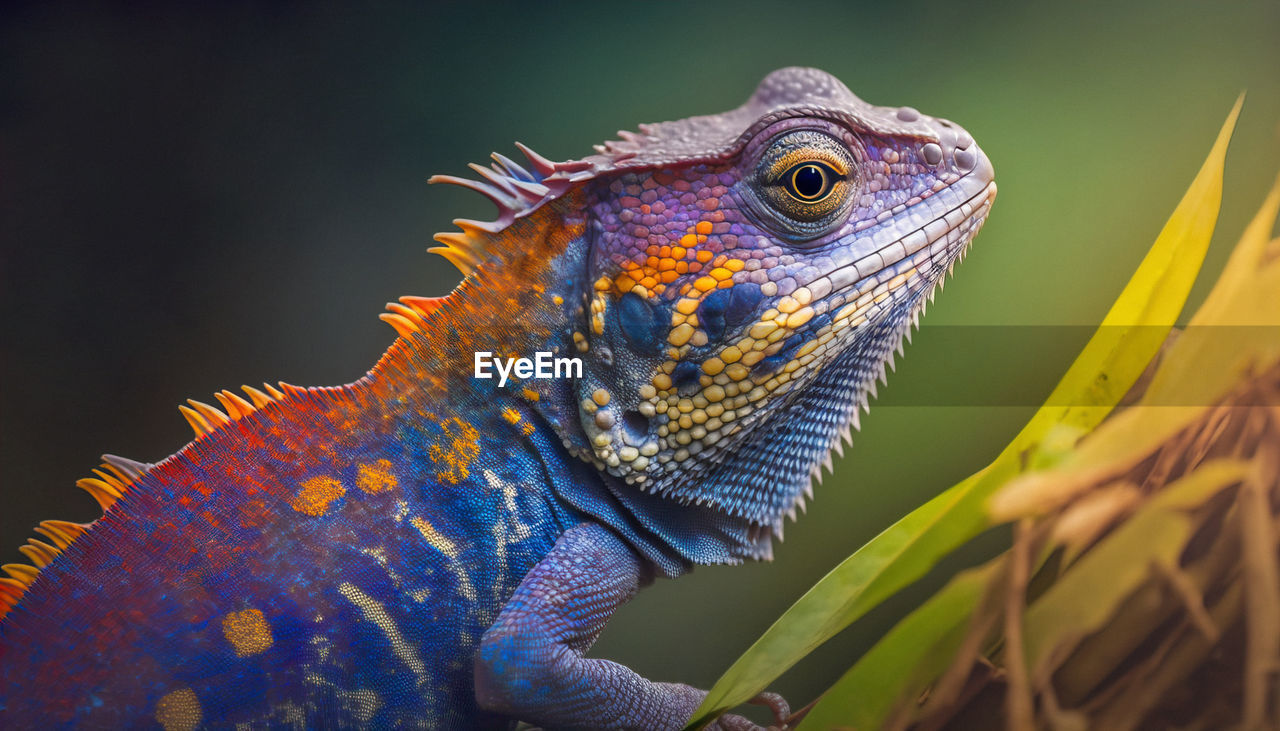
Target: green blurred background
[195, 199]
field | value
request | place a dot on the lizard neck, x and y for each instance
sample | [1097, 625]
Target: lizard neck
[526, 298]
[533, 294]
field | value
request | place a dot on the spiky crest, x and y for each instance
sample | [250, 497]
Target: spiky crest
[114, 478]
[410, 314]
[517, 191]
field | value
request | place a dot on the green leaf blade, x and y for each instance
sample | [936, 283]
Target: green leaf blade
[921, 644]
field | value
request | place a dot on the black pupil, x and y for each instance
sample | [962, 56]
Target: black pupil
[809, 181]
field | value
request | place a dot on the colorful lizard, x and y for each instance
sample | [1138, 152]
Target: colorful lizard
[427, 548]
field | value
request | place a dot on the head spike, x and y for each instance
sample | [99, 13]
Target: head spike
[541, 165]
[496, 179]
[532, 193]
[505, 202]
[274, 392]
[512, 168]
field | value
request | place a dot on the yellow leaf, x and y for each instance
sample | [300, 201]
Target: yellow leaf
[1237, 328]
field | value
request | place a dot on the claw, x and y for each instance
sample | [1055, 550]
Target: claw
[777, 704]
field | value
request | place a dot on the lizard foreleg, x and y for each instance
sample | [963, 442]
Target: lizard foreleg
[530, 663]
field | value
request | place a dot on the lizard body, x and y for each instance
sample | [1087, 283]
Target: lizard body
[427, 548]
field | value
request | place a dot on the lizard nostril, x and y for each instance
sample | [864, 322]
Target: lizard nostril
[932, 153]
[965, 159]
[635, 426]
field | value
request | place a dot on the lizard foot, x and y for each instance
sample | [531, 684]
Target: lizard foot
[776, 703]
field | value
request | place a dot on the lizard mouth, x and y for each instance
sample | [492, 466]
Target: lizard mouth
[933, 234]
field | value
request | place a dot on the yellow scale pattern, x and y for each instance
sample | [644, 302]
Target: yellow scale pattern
[728, 393]
[247, 631]
[179, 710]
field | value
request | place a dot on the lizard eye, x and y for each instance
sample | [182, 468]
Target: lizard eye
[810, 182]
[805, 182]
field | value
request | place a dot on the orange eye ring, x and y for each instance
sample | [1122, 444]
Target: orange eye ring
[809, 182]
[804, 181]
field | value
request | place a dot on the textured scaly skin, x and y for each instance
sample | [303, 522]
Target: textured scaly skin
[423, 548]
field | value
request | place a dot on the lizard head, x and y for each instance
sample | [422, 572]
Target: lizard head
[748, 276]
